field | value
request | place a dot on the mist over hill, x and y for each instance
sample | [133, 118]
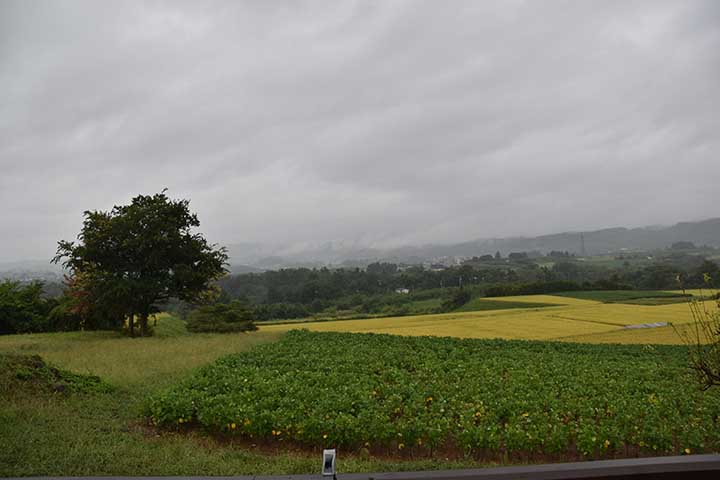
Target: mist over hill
[247, 255]
[250, 257]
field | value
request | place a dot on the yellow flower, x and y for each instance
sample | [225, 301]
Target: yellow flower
[607, 443]
[401, 446]
[687, 451]
[324, 435]
[247, 422]
[232, 425]
[429, 399]
[525, 415]
[180, 420]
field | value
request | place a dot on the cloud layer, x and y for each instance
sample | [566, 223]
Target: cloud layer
[374, 122]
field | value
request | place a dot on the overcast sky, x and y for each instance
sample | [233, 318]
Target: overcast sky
[378, 122]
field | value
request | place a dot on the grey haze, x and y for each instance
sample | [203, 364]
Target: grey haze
[377, 123]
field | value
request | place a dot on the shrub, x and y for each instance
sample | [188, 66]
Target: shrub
[221, 318]
[703, 338]
[457, 299]
[22, 309]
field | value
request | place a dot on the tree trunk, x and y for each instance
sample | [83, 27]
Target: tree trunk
[143, 324]
[131, 325]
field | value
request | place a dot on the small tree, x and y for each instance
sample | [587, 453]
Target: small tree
[457, 299]
[702, 336]
[131, 258]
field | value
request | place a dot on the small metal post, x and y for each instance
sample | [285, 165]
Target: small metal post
[328, 467]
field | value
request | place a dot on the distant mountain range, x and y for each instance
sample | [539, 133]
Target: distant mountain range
[251, 256]
[255, 257]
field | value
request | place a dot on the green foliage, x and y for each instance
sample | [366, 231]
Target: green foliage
[63, 318]
[23, 372]
[479, 304]
[131, 258]
[535, 288]
[22, 308]
[423, 395]
[221, 318]
[624, 296]
[282, 310]
[458, 298]
[345, 293]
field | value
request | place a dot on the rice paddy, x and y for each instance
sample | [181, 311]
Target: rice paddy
[569, 319]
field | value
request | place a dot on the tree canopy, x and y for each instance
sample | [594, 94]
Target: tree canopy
[129, 259]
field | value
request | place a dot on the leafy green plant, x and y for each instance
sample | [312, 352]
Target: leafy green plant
[424, 395]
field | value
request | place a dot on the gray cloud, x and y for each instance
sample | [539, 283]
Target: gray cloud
[375, 122]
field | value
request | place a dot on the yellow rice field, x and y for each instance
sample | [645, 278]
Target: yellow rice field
[571, 320]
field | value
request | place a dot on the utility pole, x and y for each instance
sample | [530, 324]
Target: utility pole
[582, 244]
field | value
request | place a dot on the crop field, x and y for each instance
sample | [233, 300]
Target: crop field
[46, 433]
[563, 318]
[540, 400]
[490, 399]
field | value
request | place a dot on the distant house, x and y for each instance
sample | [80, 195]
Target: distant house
[402, 290]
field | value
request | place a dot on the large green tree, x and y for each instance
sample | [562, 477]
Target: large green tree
[138, 255]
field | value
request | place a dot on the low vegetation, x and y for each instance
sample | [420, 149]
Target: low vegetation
[221, 318]
[627, 296]
[389, 289]
[94, 432]
[45, 433]
[31, 373]
[423, 396]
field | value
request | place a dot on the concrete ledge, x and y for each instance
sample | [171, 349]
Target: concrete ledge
[662, 468]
